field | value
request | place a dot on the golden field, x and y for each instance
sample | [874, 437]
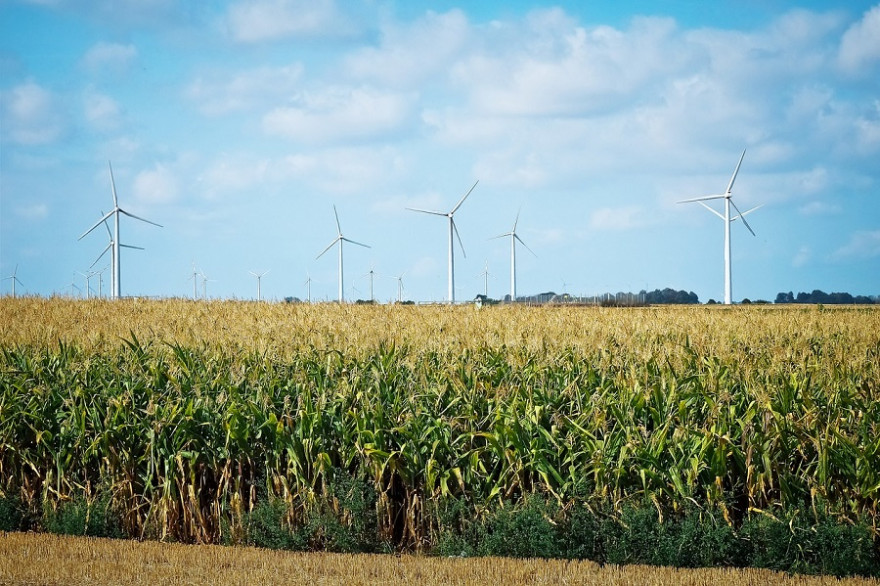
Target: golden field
[72, 561]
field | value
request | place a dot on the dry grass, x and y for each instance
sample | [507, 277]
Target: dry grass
[27, 558]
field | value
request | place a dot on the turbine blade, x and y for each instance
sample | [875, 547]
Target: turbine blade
[353, 242]
[457, 235]
[714, 211]
[129, 246]
[433, 213]
[458, 205]
[130, 215]
[98, 223]
[113, 185]
[526, 245]
[747, 212]
[743, 219]
[516, 221]
[329, 246]
[703, 198]
[338, 227]
[505, 235]
[733, 178]
[100, 256]
[109, 233]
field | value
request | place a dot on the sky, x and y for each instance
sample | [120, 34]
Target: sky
[238, 126]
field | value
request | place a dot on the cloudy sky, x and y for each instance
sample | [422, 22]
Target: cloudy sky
[238, 125]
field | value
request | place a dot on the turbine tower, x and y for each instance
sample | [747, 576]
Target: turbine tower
[340, 239]
[728, 201]
[452, 228]
[116, 287]
[14, 280]
[400, 287]
[308, 284]
[259, 277]
[513, 239]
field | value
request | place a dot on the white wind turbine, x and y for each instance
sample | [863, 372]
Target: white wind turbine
[205, 280]
[728, 201]
[195, 280]
[114, 243]
[14, 280]
[486, 274]
[259, 277]
[340, 239]
[371, 275]
[112, 250]
[308, 284]
[400, 287]
[513, 239]
[452, 228]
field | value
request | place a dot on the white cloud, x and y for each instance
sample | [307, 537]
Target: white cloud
[818, 208]
[340, 113]
[33, 212]
[230, 174]
[246, 89]
[31, 114]
[622, 218]
[113, 57]
[860, 44]
[101, 111]
[252, 21]
[157, 185]
[803, 257]
[350, 170]
[412, 53]
[863, 244]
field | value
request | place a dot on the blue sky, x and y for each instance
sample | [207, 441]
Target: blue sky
[238, 125]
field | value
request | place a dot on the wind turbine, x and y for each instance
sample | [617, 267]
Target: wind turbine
[452, 228]
[14, 279]
[112, 250]
[371, 274]
[205, 280]
[486, 274]
[340, 239]
[308, 284]
[400, 287]
[259, 277]
[195, 280]
[513, 239]
[116, 261]
[728, 201]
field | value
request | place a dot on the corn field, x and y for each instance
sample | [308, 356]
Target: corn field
[185, 415]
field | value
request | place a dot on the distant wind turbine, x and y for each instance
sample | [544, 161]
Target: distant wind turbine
[728, 201]
[259, 277]
[452, 229]
[486, 274]
[340, 239]
[371, 275]
[112, 250]
[400, 287]
[14, 280]
[205, 280]
[513, 239]
[308, 284]
[195, 280]
[116, 261]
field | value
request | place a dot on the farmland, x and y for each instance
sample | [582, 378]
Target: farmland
[739, 431]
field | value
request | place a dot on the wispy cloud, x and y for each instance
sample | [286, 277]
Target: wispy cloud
[114, 57]
[860, 44]
[622, 218]
[338, 113]
[31, 114]
[251, 21]
[862, 245]
[156, 185]
[223, 93]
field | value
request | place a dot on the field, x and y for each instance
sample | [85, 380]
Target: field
[68, 561]
[690, 436]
